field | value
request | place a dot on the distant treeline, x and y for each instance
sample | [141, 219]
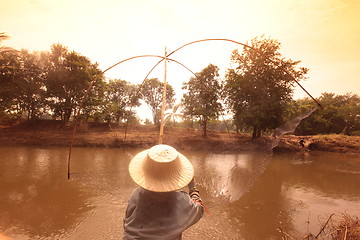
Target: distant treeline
[255, 92]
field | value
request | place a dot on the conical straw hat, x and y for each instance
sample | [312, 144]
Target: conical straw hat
[161, 169]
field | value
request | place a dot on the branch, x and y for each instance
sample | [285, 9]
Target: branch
[285, 235]
[322, 229]
[346, 230]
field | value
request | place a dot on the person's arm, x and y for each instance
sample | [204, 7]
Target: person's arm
[194, 192]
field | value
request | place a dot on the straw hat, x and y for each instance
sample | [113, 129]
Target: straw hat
[161, 169]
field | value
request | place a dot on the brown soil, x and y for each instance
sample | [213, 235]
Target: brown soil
[52, 133]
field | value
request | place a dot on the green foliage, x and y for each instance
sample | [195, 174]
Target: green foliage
[258, 91]
[68, 76]
[147, 122]
[174, 114]
[9, 72]
[21, 83]
[119, 99]
[152, 92]
[224, 125]
[32, 88]
[341, 114]
[202, 100]
[94, 103]
[55, 82]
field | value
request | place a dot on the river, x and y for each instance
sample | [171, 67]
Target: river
[247, 195]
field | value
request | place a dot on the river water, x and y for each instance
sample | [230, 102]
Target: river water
[247, 195]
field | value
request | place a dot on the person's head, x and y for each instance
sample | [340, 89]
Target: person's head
[161, 169]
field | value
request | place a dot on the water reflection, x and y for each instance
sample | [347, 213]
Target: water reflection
[332, 174]
[248, 195]
[264, 207]
[33, 197]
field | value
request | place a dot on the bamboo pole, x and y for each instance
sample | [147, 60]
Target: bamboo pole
[163, 107]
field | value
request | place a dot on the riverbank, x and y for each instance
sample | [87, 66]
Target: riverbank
[52, 133]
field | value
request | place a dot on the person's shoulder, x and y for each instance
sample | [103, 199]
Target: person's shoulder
[137, 192]
[182, 194]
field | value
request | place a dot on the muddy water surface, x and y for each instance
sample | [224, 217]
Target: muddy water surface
[247, 195]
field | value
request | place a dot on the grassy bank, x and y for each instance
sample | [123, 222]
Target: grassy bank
[53, 133]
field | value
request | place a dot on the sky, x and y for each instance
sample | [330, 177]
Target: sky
[323, 34]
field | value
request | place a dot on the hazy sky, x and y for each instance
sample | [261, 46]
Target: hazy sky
[323, 34]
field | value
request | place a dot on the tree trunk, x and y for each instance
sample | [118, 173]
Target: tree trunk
[154, 117]
[258, 134]
[254, 133]
[67, 110]
[204, 127]
[67, 115]
[32, 110]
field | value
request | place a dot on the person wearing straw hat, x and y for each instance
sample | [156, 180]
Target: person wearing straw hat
[157, 209]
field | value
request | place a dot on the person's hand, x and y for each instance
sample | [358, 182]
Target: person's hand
[192, 184]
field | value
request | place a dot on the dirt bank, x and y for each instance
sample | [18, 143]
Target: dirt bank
[52, 133]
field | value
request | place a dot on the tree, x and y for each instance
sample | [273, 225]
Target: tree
[119, 98]
[9, 72]
[21, 83]
[152, 92]
[93, 105]
[340, 115]
[202, 100]
[68, 76]
[9, 75]
[31, 84]
[258, 91]
[173, 114]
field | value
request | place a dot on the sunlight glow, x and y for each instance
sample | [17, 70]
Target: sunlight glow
[323, 34]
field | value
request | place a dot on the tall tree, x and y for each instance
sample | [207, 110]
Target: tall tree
[69, 75]
[258, 91]
[202, 100]
[152, 92]
[119, 100]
